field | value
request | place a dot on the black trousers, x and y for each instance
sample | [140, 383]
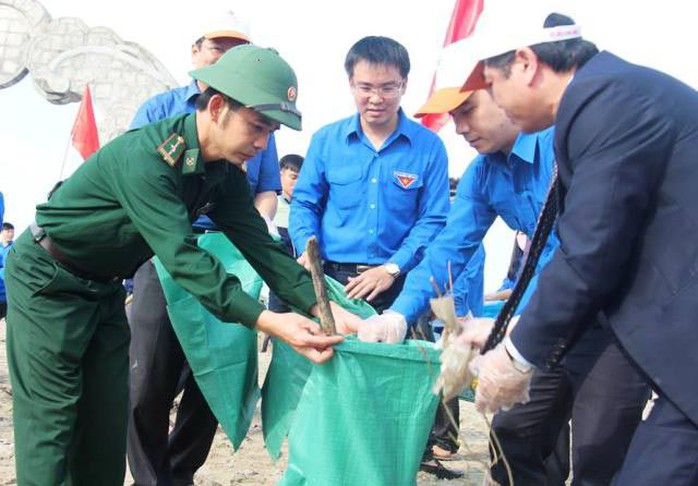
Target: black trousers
[527, 435]
[158, 366]
[446, 427]
[603, 394]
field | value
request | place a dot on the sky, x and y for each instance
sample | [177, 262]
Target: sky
[314, 36]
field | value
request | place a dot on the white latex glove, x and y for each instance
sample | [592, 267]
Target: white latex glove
[477, 330]
[389, 327]
[500, 385]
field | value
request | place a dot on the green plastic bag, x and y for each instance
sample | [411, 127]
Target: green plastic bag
[364, 417]
[288, 372]
[222, 355]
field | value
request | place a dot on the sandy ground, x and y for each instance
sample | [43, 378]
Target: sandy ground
[251, 465]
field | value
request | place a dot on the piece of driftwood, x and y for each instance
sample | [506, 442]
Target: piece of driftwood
[323, 302]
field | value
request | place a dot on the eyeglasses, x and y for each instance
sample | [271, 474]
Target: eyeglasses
[386, 91]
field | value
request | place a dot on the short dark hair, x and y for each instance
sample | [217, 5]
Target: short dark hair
[7, 226]
[378, 50]
[203, 99]
[292, 162]
[561, 56]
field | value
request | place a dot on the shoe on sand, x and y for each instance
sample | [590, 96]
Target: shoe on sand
[435, 467]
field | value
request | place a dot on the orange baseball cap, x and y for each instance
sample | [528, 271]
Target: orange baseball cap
[443, 100]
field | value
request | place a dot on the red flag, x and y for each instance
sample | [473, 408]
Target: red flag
[463, 20]
[84, 133]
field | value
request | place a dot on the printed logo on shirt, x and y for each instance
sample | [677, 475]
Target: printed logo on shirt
[405, 179]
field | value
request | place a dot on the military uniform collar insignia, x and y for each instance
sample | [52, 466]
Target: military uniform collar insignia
[192, 164]
[172, 149]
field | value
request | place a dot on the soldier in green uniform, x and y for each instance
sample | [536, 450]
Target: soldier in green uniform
[67, 336]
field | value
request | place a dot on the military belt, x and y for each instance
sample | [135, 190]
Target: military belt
[42, 239]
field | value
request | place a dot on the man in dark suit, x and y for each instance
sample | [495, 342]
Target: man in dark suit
[626, 144]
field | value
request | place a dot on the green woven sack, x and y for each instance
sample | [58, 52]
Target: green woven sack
[288, 372]
[364, 417]
[222, 355]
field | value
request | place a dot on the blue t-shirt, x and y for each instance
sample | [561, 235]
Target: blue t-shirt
[4, 251]
[469, 287]
[371, 206]
[262, 169]
[513, 187]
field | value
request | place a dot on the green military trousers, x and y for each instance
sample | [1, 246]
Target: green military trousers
[67, 351]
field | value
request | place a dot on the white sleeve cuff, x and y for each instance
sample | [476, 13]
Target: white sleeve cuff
[511, 349]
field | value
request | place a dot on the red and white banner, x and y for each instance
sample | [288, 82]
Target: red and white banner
[463, 21]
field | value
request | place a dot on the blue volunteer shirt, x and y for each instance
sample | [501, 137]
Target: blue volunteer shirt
[513, 187]
[262, 170]
[469, 287]
[4, 252]
[371, 206]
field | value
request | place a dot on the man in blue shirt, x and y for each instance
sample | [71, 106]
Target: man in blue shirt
[289, 167]
[158, 366]
[374, 186]
[510, 179]
[7, 235]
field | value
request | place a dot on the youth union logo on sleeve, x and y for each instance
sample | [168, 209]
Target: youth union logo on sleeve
[405, 179]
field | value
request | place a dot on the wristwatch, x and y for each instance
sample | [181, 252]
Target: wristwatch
[392, 269]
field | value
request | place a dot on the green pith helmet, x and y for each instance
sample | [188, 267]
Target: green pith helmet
[258, 78]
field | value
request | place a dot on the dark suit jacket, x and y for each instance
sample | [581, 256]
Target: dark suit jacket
[626, 142]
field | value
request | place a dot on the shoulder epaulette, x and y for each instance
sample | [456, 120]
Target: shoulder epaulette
[172, 149]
